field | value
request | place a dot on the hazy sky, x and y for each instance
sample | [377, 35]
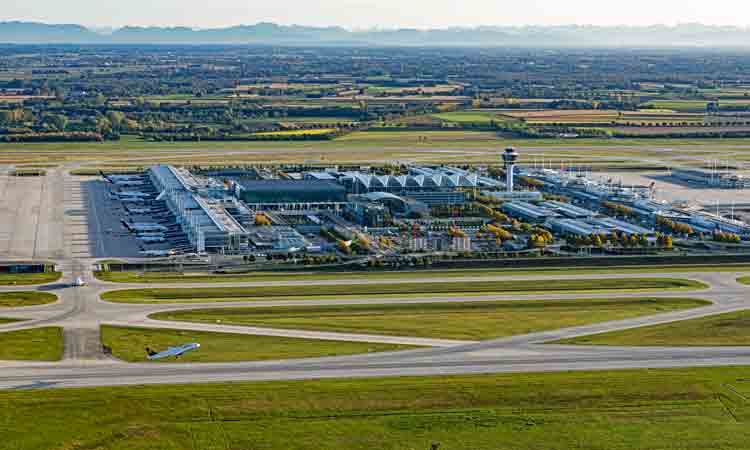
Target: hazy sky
[380, 13]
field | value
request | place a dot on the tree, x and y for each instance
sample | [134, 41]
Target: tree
[116, 118]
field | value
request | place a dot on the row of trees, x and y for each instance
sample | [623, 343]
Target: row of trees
[617, 209]
[674, 227]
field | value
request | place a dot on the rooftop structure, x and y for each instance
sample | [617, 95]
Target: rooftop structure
[204, 220]
[289, 191]
[568, 210]
[528, 211]
[419, 179]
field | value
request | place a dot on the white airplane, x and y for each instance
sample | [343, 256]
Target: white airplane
[139, 210]
[151, 239]
[120, 178]
[172, 351]
[78, 282]
[156, 253]
[144, 227]
[133, 194]
[136, 200]
[127, 183]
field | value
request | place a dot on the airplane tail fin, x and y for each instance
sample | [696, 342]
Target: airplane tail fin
[150, 352]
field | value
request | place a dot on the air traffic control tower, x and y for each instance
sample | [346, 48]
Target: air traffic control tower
[509, 158]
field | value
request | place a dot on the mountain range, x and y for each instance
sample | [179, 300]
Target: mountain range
[657, 36]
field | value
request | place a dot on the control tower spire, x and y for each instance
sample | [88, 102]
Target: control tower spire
[509, 158]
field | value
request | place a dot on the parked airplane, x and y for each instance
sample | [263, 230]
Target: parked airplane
[172, 351]
[137, 200]
[139, 210]
[120, 178]
[151, 239]
[133, 183]
[140, 227]
[135, 194]
[157, 253]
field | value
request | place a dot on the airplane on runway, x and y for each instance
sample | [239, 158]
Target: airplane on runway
[172, 351]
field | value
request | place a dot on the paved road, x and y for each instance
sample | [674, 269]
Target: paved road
[80, 312]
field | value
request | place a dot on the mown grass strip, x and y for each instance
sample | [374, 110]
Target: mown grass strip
[129, 344]
[25, 298]
[25, 279]
[228, 294]
[179, 277]
[719, 330]
[34, 344]
[467, 320]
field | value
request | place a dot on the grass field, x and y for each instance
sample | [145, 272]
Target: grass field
[744, 280]
[36, 344]
[471, 321]
[19, 299]
[129, 345]
[675, 409]
[228, 294]
[175, 277]
[24, 279]
[723, 329]
[4, 320]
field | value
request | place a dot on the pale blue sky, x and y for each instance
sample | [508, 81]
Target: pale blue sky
[380, 13]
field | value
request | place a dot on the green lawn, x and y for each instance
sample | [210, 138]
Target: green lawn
[723, 329]
[175, 277]
[129, 344]
[19, 299]
[467, 320]
[4, 320]
[229, 294]
[22, 279]
[744, 280]
[676, 409]
[35, 344]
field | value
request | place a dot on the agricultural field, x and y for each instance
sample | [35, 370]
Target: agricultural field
[469, 288]
[128, 344]
[315, 132]
[468, 320]
[731, 329]
[473, 116]
[619, 410]
[607, 117]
